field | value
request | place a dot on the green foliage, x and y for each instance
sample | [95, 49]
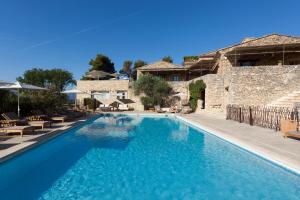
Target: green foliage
[195, 89]
[190, 58]
[91, 103]
[54, 79]
[102, 63]
[167, 59]
[139, 63]
[126, 67]
[155, 90]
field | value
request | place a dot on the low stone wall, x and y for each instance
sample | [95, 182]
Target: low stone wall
[262, 84]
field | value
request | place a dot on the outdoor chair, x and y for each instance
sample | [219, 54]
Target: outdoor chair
[12, 117]
[289, 128]
[158, 109]
[10, 127]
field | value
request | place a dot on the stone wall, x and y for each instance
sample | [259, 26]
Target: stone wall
[261, 85]
[214, 92]
[107, 85]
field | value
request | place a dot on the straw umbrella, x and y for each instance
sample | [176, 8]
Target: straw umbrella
[96, 74]
[20, 86]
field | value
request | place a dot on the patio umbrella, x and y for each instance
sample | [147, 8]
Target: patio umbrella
[74, 91]
[115, 104]
[3, 83]
[96, 74]
[20, 86]
[126, 101]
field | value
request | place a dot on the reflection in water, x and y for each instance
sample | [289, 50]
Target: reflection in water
[109, 126]
[180, 134]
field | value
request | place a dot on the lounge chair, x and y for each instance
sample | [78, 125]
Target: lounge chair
[59, 118]
[12, 117]
[186, 110]
[41, 124]
[123, 107]
[158, 109]
[174, 109]
[17, 129]
[289, 128]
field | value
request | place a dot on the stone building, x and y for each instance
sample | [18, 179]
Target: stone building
[258, 71]
[106, 91]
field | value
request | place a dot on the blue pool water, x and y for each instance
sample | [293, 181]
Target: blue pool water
[126, 157]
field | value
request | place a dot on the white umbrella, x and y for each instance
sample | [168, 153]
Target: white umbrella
[3, 83]
[17, 86]
[74, 91]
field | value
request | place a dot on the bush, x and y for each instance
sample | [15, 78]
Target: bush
[195, 89]
[156, 90]
[91, 103]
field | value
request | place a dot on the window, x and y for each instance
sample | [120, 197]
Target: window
[101, 95]
[175, 78]
[121, 94]
[247, 63]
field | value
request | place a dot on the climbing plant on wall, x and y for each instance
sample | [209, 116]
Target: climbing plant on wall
[195, 89]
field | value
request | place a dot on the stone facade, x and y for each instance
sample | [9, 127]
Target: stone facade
[214, 92]
[111, 86]
[263, 84]
[269, 79]
[259, 85]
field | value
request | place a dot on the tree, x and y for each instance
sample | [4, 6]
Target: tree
[137, 64]
[195, 89]
[102, 63]
[156, 90]
[167, 59]
[126, 67]
[54, 79]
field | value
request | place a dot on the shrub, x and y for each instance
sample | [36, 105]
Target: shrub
[156, 90]
[195, 89]
[91, 103]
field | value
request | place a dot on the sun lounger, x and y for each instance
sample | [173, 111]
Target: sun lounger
[41, 124]
[11, 116]
[18, 129]
[158, 109]
[59, 118]
[289, 128]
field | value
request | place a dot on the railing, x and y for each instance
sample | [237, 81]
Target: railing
[267, 117]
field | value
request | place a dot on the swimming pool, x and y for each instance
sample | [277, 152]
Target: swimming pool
[142, 157]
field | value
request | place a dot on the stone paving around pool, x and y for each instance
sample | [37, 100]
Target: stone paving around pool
[12, 145]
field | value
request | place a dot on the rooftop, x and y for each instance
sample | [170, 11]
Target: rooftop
[161, 65]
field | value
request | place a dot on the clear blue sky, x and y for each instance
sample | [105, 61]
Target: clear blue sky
[68, 33]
